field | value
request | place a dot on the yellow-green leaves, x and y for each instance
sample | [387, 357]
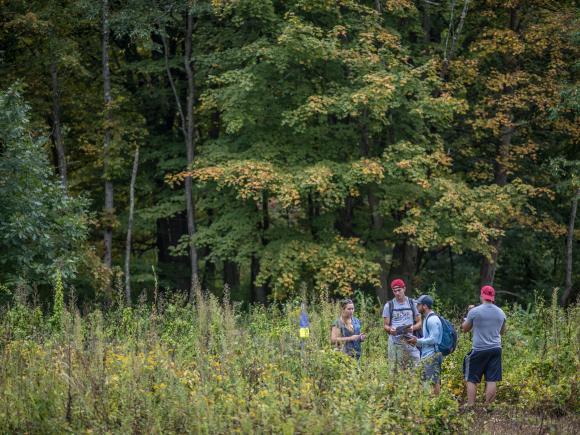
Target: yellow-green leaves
[335, 267]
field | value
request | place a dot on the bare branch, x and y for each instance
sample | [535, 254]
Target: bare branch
[172, 83]
[459, 27]
[130, 227]
[449, 31]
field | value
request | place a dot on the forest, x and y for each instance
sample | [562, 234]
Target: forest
[181, 180]
[284, 147]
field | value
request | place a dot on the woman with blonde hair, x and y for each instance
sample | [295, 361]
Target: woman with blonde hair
[345, 332]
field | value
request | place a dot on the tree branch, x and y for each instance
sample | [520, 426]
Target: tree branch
[459, 28]
[172, 83]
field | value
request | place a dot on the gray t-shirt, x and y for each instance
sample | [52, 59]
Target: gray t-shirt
[402, 315]
[487, 321]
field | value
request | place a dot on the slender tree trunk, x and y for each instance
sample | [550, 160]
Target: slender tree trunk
[404, 263]
[188, 129]
[231, 274]
[208, 276]
[310, 213]
[190, 148]
[381, 292]
[130, 228]
[56, 125]
[257, 293]
[344, 224]
[453, 34]
[169, 231]
[260, 293]
[489, 265]
[108, 209]
[426, 24]
[569, 242]
[451, 264]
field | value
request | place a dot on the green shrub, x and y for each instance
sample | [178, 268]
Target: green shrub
[212, 368]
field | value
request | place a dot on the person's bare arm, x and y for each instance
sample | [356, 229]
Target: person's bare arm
[467, 325]
[418, 324]
[335, 336]
[387, 326]
[503, 328]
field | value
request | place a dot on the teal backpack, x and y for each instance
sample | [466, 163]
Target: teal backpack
[448, 341]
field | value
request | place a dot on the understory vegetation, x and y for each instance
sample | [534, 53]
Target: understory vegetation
[276, 153]
[212, 367]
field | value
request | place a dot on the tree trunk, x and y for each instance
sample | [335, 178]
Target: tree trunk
[381, 292]
[426, 24]
[260, 293]
[569, 242]
[172, 268]
[489, 265]
[451, 264]
[453, 36]
[190, 145]
[130, 228]
[188, 130]
[108, 209]
[231, 275]
[209, 268]
[208, 275]
[404, 263]
[344, 224]
[56, 125]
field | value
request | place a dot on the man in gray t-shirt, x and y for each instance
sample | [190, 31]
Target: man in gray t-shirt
[487, 321]
[398, 313]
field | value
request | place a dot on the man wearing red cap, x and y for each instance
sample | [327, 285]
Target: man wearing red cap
[487, 321]
[400, 317]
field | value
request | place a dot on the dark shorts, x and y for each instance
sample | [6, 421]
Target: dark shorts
[432, 368]
[482, 363]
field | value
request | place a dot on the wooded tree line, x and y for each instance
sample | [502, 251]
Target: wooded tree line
[288, 146]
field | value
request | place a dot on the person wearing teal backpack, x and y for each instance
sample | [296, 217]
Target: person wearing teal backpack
[431, 357]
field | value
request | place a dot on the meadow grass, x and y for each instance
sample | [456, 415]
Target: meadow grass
[212, 367]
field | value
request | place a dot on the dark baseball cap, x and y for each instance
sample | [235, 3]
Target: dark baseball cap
[426, 300]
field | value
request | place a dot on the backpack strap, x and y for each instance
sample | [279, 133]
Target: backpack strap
[356, 325]
[427, 328]
[427, 323]
[392, 309]
[413, 309]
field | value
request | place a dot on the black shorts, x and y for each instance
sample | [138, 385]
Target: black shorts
[482, 362]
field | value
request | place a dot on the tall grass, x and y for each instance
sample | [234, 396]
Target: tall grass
[213, 368]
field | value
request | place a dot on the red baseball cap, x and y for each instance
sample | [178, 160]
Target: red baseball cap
[488, 293]
[397, 283]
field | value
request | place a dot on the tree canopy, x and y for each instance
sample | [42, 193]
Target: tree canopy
[326, 146]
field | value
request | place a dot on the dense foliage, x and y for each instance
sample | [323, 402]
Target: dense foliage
[41, 228]
[272, 152]
[333, 145]
[213, 368]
